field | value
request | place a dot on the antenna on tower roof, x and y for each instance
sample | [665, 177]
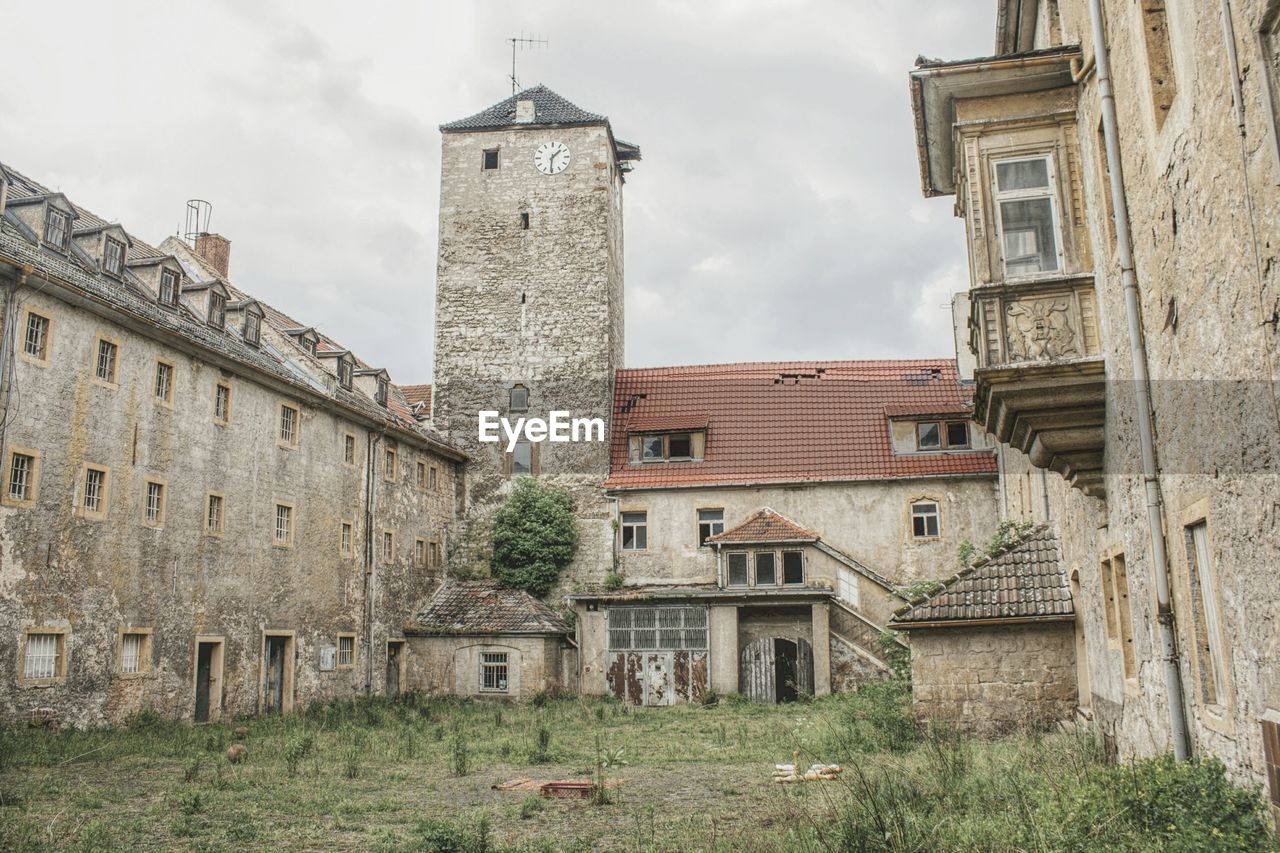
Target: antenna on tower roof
[522, 41]
[199, 215]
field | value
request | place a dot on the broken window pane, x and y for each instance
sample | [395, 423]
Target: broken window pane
[957, 434]
[680, 446]
[652, 448]
[927, 436]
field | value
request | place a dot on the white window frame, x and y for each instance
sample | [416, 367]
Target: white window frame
[44, 326]
[641, 525]
[714, 526]
[1055, 209]
[936, 515]
[497, 665]
[1204, 578]
[728, 572]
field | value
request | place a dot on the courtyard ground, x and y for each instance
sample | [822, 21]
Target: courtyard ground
[418, 774]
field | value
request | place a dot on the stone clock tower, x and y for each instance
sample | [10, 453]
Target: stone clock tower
[529, 297]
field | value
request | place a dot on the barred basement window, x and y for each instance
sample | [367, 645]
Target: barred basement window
[635, 531]
[57, 227]
[657, 628]
[710, 523]
[346, 651]
[94, 498]
[22, 469]
[45, 657]
[134, 652]
[36, 342]
[493, 672]
[105, 365]
[164, 381]
[113, 257]
[284, 525]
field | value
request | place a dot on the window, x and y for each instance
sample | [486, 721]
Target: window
[957, 434]
[36, 342]
[284, 526]
[222, 403]
[522, 459]
[667, 628]
[927, 436]
[153, 504]
[420, 553]
[344, 540]
[57, 227]
[344, 372]
[217, 310]
[1207, 616]
[1026, 216]
[433, 555]
[1115, 585]
[738, 574]
[252, 328]
[1155, 28]
[635, 531]
[105, 364]
[524, 221]
[847, 587]
[384, 391]
[21, 485]
[710, 523]
[674, 447]
[493, 671]
[213, 516]
[388, 546]
[489, 160]
[349, 449]
[422, 475]
[164, 382]
[389, 464]
[766, 568]
[288, 425]
[169, 281]
[793, 568]
[113, 257]
[135, 652]
[924, 520]
[93, 497]
[346, 651]
[518, 398]
[44, 658]
[433, 479]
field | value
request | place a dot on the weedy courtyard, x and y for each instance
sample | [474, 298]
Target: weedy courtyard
[417, 773]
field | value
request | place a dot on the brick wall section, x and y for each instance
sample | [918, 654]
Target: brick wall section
[994, 679]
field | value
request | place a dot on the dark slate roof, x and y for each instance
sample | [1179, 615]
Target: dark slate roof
[1024, 581]
[483, 607]
[549, 108]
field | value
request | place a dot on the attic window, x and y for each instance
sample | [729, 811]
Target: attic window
[383, 391]
[57, 227]
[942, 435]
[113, 257]
[344, 372]
[519, 398]
[169, 287]
[252, 328]
[217, 310]
[669, 447]
[310, 344]
[490, 160]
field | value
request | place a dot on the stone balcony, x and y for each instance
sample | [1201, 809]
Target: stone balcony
[1040, 373]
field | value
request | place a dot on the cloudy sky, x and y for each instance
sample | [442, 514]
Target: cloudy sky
[776, 214]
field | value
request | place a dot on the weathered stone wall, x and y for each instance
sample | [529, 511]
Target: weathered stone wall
[451, 665]
[59, 569]
[994, 679]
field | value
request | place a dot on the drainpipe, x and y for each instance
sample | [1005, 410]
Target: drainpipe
[372, 441]
[1142, 386]
[8, 344]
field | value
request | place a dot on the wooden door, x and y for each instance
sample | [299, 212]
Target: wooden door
[204, 676]
[274, 693]
[393, 668]
[757, 673]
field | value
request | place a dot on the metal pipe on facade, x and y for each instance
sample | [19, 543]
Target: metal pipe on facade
[1142, 386]
[371, 444]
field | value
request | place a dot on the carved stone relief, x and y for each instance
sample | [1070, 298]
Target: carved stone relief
[1041, 329]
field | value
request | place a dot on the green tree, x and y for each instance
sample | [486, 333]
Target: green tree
[534, 537]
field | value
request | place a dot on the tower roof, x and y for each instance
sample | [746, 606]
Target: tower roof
[548, 108]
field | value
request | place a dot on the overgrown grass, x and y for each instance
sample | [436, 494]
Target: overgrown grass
[416, 774]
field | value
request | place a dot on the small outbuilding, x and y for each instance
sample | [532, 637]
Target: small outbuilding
[995, 648]
[476, 638]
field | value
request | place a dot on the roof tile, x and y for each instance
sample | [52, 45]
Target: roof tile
[483, 607]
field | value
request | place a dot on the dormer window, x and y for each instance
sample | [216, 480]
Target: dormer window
[519, 398]
[668, 447]
[310, 344]
[57, 227]
[1025, 205]
[113, 257]
[217, 310]
[169, 281]
[942, 435]
[384, 391]
[344, 372]
[252, 328]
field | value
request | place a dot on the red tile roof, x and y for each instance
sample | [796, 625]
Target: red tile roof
[419, 399]
[765, 526]
[785, 422]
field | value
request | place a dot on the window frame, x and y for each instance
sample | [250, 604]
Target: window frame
[32, 492]
[104, 492]
[60, 664]
[252, 320]
[1051, 192]
[41, 360]
[496, 154]
[382, 392]
[755, 568]
[294, 441]
[346, 373]
[728, 569]
[435, 554]
[337, 650]
[936, 515]
[51, 212]
[144, 667]
[390, 463]
[709, 523]
[290, 523]
[346, 538]
[116, 271]
[1207, 621]
[387, 546]
[518, 388]
[804, 568]
[162, 502]
[112, 382]
[419, 553]
[218, 530]
[161, 366]
[217, 316]
[433, 479]
[420, 474]
[511, 459]
[641, 525]
[501, 685]
[225, 420]
[349, 449]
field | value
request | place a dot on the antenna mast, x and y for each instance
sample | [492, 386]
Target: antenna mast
[522, 42]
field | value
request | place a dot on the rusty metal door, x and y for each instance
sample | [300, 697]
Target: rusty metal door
[757, 674]
[658, 689]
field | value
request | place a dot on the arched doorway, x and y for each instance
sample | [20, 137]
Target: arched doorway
[776, 669]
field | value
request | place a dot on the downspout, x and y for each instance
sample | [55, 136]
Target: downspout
[371, 444]
[1142, 387]
[8, 345]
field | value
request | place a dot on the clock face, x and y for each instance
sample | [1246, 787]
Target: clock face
[551, 158]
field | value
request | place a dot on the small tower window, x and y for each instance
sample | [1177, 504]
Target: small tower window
[490, 161]
[524, 221]
[519, 398]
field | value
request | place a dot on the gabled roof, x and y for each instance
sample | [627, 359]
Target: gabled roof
[483, 607]
[1023, 583]
[764, 526]
[418, 398]
[549, 108]
[787, 422]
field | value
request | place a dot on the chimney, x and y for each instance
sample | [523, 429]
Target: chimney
[215, 250]
[525, 112]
